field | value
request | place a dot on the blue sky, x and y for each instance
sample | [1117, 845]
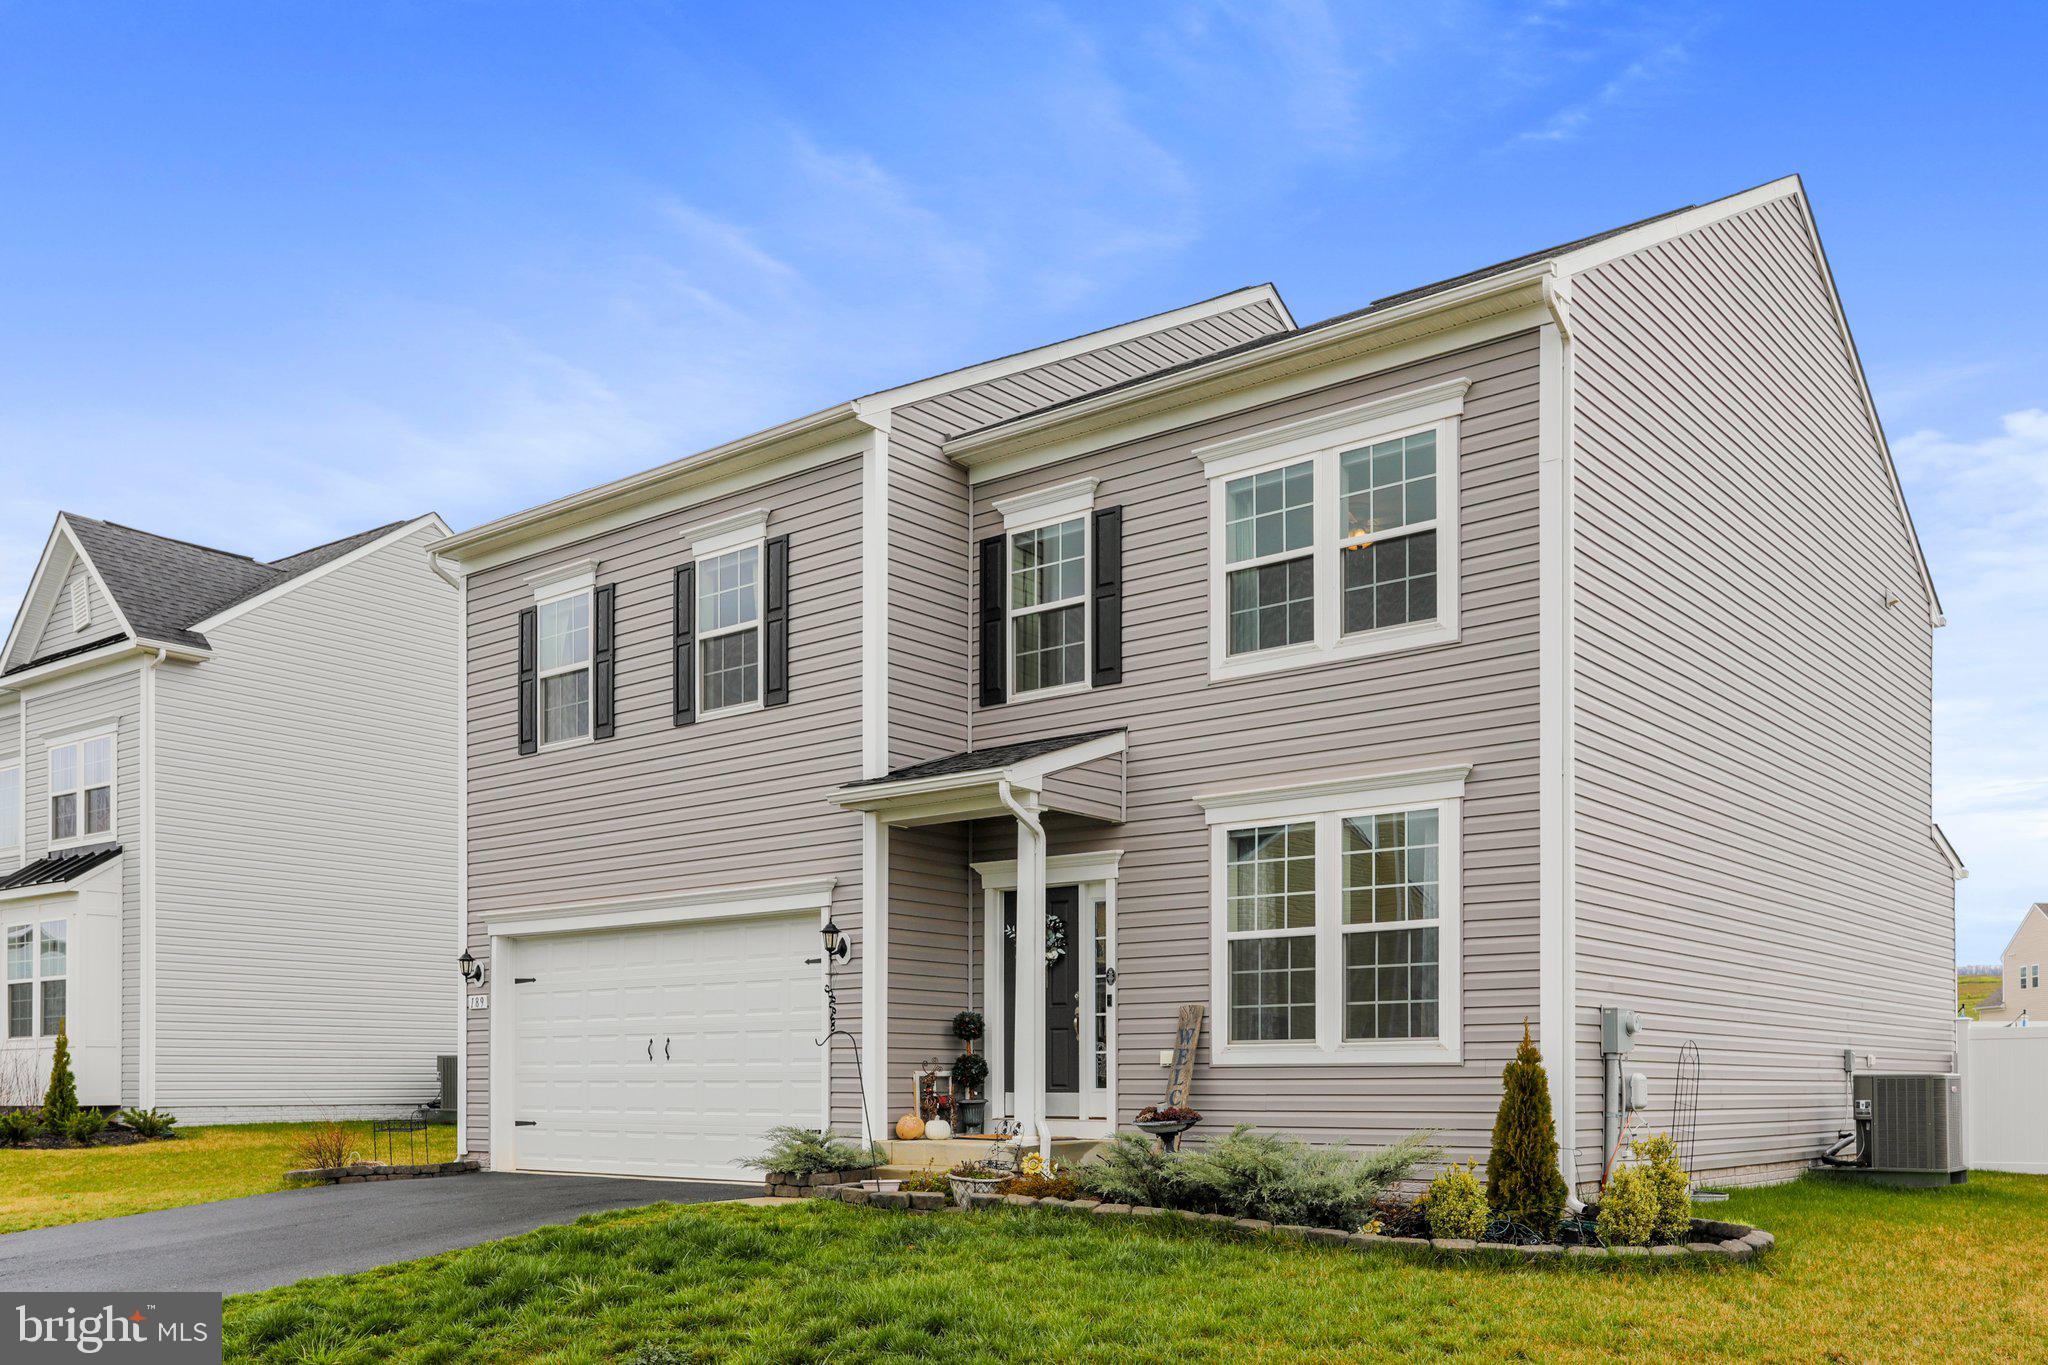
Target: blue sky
[277, 272]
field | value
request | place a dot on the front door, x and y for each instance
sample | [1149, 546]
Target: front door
[1062, 988]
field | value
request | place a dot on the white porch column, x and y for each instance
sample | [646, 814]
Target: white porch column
[1028, 1084]
[874, 972]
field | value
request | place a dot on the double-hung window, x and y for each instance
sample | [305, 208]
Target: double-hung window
[1336, 921]
[1336, 536]
[38, 965]
[563, 632]
[1047, 565]
[82, 789]
[729, 630]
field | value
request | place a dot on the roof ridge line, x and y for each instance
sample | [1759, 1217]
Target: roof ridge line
[175, 540]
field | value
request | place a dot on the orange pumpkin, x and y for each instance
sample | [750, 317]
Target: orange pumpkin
[909, 1126]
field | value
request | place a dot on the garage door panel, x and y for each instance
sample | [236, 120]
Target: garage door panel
[732, 1012]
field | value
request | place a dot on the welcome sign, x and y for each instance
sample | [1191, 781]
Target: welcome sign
[1185, 1036]
[167, 1329]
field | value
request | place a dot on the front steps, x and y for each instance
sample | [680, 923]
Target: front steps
[924, 1154]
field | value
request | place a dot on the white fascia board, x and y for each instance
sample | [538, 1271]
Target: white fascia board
[114, 652]
[907, 394]
[335, 565]
[1662, 230]
[1032, 772]
[1496, 306]
[802, 443]
[1336, 795]
[810, 894]
[60, 533]
[1956, 869]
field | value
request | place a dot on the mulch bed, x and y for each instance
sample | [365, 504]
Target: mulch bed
[111, 1137]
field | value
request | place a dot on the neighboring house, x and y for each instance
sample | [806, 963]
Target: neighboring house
[2019, 990]
[1550, 638]
[228, 823]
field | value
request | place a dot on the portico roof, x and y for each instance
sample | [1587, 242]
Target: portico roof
[971, 785]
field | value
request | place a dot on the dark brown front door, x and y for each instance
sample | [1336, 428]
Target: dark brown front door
[1062, 992]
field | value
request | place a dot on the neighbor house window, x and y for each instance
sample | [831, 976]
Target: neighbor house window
[1336, 920]
[1336, 536]
[10, 816]
[1049, 606]
[729, 630]
[82, 789]
[37, 968]
[562, 627]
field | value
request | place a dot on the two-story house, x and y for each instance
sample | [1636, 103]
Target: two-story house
[228, 823]
[2019, 993]
[1546, 639]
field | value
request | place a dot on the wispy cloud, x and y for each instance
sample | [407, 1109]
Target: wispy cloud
[1638, 79]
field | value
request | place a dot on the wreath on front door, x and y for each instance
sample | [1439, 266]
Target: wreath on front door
[1055, 938]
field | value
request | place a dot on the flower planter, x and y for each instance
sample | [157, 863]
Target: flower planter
[967, 1186]
[1168, 1131]
[799, 1185]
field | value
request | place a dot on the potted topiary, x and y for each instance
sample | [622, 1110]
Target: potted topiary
[970, 1073]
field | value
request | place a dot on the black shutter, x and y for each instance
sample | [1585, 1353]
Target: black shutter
[529, 684]
[775, 623]
[995, 641]
[1106, 598]
[686, 644]
[601, 663]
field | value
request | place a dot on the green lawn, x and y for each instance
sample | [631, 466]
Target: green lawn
[1860, 1274]
[73, 1185]
[1971, 990]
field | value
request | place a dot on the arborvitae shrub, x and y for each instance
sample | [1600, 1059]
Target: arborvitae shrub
[60, 1101]
[1522, 1177]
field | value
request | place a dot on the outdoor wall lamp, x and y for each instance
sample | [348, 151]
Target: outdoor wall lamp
[472, 970]
[837, 948]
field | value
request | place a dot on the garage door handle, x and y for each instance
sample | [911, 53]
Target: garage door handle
[664, 1051]
[650, 1049]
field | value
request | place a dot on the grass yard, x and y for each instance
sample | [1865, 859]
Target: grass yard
[40, 1189]
[1971, 990]
[1859, 1274]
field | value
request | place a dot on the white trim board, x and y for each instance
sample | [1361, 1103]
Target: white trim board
[1060, 870]
[686, 907]
[61, 529]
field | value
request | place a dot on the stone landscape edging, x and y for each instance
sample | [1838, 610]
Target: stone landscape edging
[1710, 1237]
[362, 1171]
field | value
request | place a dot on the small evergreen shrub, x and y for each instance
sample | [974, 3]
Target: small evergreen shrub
[1670, 1186]
[1523, 1181]
[60, 1101]
[1131, 1169]
[1249, 1174]
[18, 1126]
[149, 1123]
[85, 1126]
[1455, 1205]
[806, 1151]
[1628, 1208]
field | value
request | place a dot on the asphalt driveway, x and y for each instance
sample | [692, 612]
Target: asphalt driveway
[271, 1239]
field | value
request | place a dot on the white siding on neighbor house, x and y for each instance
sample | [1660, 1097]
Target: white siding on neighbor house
[1754, 868]
[65, 706]
[929, 675]
[1470, 702]
[729, 801]
[2028, 949]
[306, 816]
[56, 631]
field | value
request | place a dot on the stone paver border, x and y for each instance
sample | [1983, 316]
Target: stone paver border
[363, 1171]
[1710, 1237]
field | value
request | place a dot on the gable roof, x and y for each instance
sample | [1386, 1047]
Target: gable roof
[164, 588]
[2037, 908]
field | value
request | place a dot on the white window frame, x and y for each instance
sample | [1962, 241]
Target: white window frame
[556, 585]
[12, 804]
[742, 531]
[1328, 803]
[35, 980]
[1322, 442]
[1073, 500]
[78, 740]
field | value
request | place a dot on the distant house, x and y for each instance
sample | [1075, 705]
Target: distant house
[228, 799]
[2019, 991]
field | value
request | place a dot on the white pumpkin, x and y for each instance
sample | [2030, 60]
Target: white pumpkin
[938, 1130]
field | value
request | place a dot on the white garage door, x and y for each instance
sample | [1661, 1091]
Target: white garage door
[665, 1051]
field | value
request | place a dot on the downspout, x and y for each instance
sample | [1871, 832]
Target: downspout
[145, 1065]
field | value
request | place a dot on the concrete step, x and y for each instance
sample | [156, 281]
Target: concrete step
[924, 1154]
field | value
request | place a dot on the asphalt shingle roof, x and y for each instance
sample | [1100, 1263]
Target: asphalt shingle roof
[165, 586]
[980, 760]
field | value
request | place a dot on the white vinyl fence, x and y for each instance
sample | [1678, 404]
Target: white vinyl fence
[2005, 1085]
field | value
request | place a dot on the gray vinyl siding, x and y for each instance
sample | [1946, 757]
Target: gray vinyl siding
[729, 801]
[1753, 862]
[307, 809]
[933, 926]
[929, 678]
[64, 707]
[1473, 701]
[56, 632]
